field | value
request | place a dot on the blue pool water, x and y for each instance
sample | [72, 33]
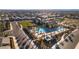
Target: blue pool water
[43, 29]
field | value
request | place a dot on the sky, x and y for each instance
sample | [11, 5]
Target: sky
[39, 4]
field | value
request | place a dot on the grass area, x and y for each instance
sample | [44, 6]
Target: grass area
[60, 19]
[25, 23]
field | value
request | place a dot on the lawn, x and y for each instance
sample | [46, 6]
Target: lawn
[25, 23]
[60, 19]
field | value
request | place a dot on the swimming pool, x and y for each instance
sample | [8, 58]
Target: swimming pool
[46, 30]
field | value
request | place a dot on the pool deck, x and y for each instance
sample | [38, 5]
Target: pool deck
[40, 35]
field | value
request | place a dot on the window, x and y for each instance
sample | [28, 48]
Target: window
[66, 40]
[24, 43]
[70, 38]
[17, 40]
[72, 35]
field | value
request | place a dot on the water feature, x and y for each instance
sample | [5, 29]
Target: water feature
[46, 30]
